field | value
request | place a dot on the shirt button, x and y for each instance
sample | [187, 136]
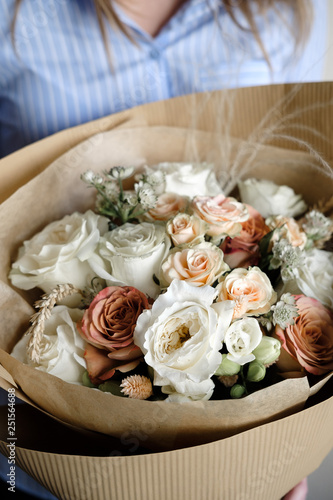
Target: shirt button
[154, 54]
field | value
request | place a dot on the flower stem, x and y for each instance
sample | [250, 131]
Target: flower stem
[241, 372]
[120, 182]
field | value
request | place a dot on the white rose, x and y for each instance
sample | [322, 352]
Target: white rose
[61, 347]
[60, 253]
[270, 199]
[315, 277]
[181, 337]
[132, 255]
[190, 179]
[241, 338]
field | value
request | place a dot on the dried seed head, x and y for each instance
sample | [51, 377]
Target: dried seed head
[228, 380]
[137, 387]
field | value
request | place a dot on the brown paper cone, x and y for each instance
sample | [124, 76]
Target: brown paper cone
[260, 464]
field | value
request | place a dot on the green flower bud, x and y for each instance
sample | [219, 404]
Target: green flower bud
[256, 371]
[267, 351]
[227, 368]
[237, 391]
[86, 380]
[112, 387]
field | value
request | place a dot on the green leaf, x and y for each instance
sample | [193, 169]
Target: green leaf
[265, 241]
[86, 380]
[113, 387]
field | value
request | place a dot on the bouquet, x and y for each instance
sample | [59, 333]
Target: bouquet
[171, 290]
[261, 437]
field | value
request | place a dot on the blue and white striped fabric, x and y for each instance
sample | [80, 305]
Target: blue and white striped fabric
[62, 77]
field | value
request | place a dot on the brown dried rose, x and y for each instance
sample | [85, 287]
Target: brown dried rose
[243, 250]
[108, 325]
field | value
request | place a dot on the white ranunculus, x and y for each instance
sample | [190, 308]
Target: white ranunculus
[190, 179]
[241, 338]
[181, 337]
[270, 199]
[61, 347]
[131, 255]
[315, 277]
[60, 253]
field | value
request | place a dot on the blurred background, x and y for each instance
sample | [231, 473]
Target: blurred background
[328, 72]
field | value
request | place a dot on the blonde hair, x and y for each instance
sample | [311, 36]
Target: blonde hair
[301, 23]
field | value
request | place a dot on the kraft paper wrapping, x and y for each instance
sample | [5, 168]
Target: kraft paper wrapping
[168, 132]
[237, 112]
[262, 463]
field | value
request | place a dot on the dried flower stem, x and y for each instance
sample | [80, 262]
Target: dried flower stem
[45, 306]
[325, 206]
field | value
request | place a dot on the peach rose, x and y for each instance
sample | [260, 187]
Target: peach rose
[309, 341]
[108, 325]
[168, 205]
[199, 265]
[243, 250]
[184, 228]
[250, 289]
[224, 215]
[289, 229]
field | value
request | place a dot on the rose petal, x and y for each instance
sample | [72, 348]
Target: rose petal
[99, 366]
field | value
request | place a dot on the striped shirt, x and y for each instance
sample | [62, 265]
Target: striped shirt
[62, 77]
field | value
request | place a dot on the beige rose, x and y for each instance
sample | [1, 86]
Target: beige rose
[309, 342]
[168, 205]
[199, 265]
[289, 230]
[250, 289]
[223, 215]
[186, 228]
